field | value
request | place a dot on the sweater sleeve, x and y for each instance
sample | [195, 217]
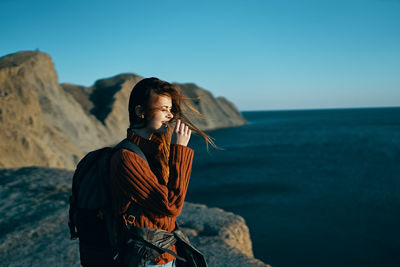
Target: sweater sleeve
[180, 168]
[134, 177]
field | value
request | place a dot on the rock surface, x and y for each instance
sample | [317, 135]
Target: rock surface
[34, 231]
[43, 123]
[40, 123]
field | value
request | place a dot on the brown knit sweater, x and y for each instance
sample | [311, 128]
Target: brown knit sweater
[160, 197]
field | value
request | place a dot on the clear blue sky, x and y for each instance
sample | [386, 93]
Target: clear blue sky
[260, 54]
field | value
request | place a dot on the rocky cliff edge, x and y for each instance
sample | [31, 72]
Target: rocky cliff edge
[34, 230]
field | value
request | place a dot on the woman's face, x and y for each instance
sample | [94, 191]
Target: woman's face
[161, 114]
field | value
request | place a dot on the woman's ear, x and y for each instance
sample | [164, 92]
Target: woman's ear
[139, 111]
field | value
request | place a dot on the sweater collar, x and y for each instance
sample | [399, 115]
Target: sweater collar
[152, 145]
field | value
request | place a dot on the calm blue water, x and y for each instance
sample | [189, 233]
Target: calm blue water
[316, 188]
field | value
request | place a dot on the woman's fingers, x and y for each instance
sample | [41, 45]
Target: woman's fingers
[177, 126]
[182, 133]
[187, 130]
[182, 128]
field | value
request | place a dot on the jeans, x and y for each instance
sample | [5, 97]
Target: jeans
[169, 264]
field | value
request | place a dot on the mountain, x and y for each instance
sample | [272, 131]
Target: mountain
[44, 123]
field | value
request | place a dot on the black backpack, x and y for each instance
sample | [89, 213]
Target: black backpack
[91, 218]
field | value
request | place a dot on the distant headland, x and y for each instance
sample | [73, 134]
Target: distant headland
[44, 123]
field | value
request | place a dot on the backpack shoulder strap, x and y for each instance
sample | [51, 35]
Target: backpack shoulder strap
[131, 147]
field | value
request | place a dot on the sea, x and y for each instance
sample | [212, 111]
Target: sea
[315, 187]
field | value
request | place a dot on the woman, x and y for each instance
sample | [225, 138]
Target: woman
[156, 189]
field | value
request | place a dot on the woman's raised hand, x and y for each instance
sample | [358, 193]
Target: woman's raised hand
[181, 134]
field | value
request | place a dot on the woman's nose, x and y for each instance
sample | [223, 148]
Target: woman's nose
[170, 115]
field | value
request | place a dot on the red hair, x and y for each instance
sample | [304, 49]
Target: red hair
[144, 95]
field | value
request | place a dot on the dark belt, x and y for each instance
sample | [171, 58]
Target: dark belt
[159, 241]
[146, 244]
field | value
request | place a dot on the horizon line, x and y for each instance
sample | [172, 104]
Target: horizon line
[311, 109]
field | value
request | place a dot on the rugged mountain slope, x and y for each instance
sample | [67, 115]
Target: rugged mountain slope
[39, 122]
[43, 123]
